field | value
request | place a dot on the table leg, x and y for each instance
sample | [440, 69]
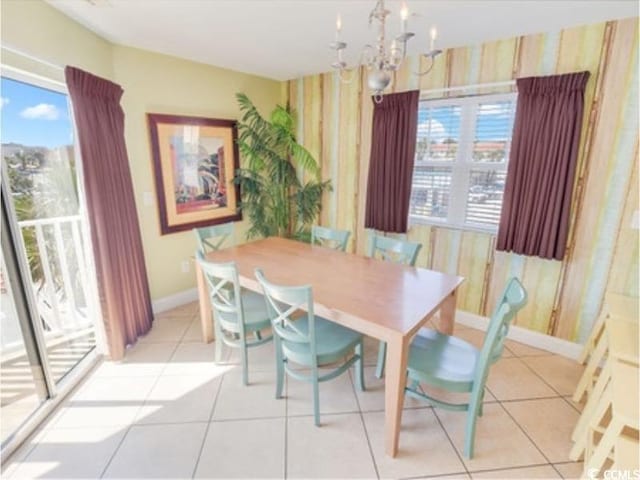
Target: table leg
[448, 314]
[394, 385]
[205, 306]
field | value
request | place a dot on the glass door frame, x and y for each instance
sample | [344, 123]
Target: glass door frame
[19, 272]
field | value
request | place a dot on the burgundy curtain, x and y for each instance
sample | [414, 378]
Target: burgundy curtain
[542, 164]
[115, 233]
[393, 146]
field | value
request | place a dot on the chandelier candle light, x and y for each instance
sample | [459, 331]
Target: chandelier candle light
[380, 60]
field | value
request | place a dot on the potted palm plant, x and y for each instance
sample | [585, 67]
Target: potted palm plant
[280, 180]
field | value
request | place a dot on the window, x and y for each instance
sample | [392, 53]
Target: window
[461, 159]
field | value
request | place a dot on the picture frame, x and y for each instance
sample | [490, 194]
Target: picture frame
[194, 163]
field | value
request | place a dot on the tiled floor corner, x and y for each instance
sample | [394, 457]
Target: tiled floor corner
[168, 411]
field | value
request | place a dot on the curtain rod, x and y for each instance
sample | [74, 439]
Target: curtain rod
[31, 57]
[469, 87]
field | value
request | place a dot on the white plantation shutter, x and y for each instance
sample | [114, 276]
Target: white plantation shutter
[461, 160]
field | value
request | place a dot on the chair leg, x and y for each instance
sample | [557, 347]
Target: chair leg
[245, 364]
[481, 406]
[382, 354]
[597, 459]
[219, 343]
[279, 368]
[316, 397]
[586, 382]
[593, 400]
[595, 417]
[475, 405]
[359, 370]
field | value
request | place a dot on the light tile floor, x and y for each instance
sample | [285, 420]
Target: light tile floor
[168, 411]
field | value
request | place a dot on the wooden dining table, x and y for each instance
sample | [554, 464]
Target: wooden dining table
[384, 300]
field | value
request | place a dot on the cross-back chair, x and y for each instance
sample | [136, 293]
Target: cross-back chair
[239, 316]
[308, 340]
[212, 238]
[329, 237]
[397, 251]
[450, 363]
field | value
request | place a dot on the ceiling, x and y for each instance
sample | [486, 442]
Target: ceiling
[284, 39]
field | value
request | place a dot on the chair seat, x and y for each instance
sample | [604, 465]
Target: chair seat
[333, 342]
[443, 361]
[255, 313]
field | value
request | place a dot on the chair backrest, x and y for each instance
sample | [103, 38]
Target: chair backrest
[513, 298]
[329, 237]
[211, 238]
[394, 250]
[282, 302]
[224, 292]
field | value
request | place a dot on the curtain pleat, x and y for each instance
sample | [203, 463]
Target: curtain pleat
[542, 165]
[393, 146]
[123, 286]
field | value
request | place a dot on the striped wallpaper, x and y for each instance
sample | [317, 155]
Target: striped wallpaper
[334, 123]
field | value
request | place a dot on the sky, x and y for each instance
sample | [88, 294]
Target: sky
[33, 116]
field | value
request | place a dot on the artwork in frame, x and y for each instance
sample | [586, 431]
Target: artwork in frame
[194, 161]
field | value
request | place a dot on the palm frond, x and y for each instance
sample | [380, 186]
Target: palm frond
[274, 198]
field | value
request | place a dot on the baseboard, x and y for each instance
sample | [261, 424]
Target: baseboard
[172, 301]
[548, 343]
[539, 340]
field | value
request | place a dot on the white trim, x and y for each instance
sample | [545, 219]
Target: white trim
[508, 83]
[539, 340]
[172, 301]
[31, 57]
[41, 81]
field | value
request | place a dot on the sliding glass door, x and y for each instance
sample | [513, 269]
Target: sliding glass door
[22, 381]
[41, 345]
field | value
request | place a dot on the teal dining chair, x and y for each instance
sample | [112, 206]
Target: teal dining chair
[308, 340]
[329, 237]
[237, 313]
[449, 363]
[397, 251]
[212, 238]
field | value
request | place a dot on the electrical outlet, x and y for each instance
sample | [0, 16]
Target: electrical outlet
[184, 266]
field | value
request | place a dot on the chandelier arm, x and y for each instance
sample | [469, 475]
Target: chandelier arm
[429, 68]
[382, 61]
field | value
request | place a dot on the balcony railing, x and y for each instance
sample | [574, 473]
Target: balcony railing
[59, 275]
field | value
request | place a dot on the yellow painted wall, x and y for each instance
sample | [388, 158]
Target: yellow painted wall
[35, 28]
[152, 83]
[564, 297]
[163, 84]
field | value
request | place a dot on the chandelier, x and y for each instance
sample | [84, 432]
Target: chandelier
[381, 61]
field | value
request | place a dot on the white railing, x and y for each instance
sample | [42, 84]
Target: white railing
[62, 292]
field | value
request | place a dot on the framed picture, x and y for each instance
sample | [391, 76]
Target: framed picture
[194, 161]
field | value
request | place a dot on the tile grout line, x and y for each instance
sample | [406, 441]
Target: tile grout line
[523, 430]
[542, 378]
[551, 386]
[206, 432]
[530, 399]
[364, 425]
[464, 465]
[132, 424]
[502, 469]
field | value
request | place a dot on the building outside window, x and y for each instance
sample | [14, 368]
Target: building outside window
[460, 168]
